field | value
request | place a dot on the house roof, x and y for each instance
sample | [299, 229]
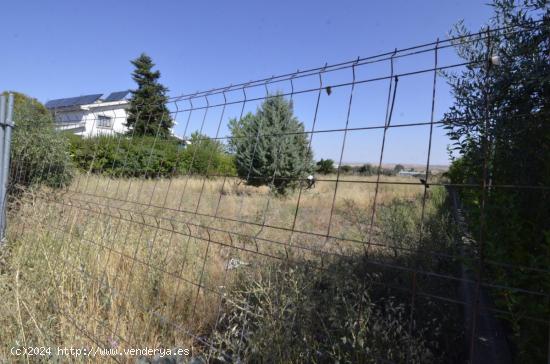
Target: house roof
[85, 100]
[73, 101]
[117, 96]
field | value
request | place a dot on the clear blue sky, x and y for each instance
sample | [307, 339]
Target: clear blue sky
[54, 49]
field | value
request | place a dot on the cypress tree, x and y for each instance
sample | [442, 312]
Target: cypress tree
[270, 146]
[148, 114]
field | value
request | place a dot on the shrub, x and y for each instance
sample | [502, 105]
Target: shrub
[345, 169]
[398, 168]
[325, 166]
[366, 170]
[39, 154]
[400, 224]
[369, 170]
[121, 156]
[206, 156]
[146, 156]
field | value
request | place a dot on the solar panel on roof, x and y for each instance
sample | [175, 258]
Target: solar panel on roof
[73, 101]
[117, 96]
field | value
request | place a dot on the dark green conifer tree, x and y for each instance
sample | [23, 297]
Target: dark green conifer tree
[148, 114]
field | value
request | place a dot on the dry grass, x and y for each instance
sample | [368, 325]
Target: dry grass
[133, 263]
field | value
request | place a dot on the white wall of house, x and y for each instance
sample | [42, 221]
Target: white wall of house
[100, 118]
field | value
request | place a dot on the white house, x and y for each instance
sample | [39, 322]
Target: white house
[91, 115]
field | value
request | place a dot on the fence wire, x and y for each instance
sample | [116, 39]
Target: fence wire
[158, 252]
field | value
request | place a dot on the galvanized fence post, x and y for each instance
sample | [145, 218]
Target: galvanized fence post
[2, 194]
[6, 124]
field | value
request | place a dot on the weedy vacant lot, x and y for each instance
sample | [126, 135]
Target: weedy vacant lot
[176, 263]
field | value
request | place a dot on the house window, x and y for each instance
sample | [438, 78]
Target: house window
[104, 121]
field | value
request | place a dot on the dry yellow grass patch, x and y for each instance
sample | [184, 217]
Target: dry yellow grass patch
[133, 263]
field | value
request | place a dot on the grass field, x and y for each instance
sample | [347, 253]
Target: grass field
[126, 263]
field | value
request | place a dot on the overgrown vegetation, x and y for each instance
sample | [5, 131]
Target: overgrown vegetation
[150, 157]
[82, 267]
[346, 312]
[293, 313]
[39, 154]
[499, 125]
[118, 156]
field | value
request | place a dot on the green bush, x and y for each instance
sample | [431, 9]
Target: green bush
[149, 157]
[208, 157]
[367, 170]
[39, 153]
[325, 166]
[345, 169]
[122, 156]
[398, 168]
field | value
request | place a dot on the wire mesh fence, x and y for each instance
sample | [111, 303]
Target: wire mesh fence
[154, 241]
